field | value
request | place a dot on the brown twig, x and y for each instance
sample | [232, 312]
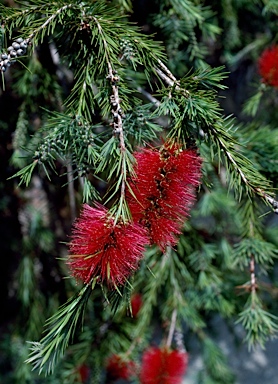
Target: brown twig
[60, 10]
[253, 283]
[179, 341]
[270, 199]
[166, 75]
[172, 328]
[115, 106]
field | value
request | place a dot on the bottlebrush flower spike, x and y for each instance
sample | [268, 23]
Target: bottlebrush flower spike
[136, 304]
[119, 369]
[163, 366]
[101, 249]
[268, 66]
[163, 190]
[84, 373]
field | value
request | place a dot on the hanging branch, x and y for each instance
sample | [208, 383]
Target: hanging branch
[253, 283]
[41, 27]
[167, 71]
[270, 199]
[241, 165]
[243, 170]
[165, 74]
[116, 111]
[60, 329]
[172, 328]
[178, 335]
[148, 96]
[19, 46]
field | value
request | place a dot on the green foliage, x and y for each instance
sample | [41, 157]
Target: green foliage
[270, 6]
[259, 324]
[263, 252]
[180, 22]
[217, 371]
[93, 88]
[60, 329]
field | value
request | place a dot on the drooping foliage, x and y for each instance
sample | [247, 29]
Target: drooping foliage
[129, 146]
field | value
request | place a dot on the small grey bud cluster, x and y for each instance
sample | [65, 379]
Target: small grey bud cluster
[57, 143]
[127, 49]
[141, 118]
[84, 132]
[83, 170]
[87, 136]
[51, 144]
[43, 153]
[17, 49]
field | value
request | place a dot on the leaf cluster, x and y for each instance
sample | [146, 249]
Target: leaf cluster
[60, 327]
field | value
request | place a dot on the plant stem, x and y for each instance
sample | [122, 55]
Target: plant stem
[115, 107]
[172, 328]
[30, 37]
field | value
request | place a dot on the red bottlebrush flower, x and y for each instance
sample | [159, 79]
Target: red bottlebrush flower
[99, 248]
[163, 366]
[164, 191]
[119, 369]
[136, 304]
[268, 66]
[84, 373]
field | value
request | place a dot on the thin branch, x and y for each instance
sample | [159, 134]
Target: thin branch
[230, 157]
[253, 283]
[19, 47]
[179, 341]
[149, 97]
[270, 199]
[166, 70]
[115, 106]
[164, 77]
[172, 328]
[60, 10]
[165, 74]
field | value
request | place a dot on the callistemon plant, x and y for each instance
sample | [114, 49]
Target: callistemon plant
[163, 366]
[98, 96]
[101, 249]
[268, 66]
[163, 190]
